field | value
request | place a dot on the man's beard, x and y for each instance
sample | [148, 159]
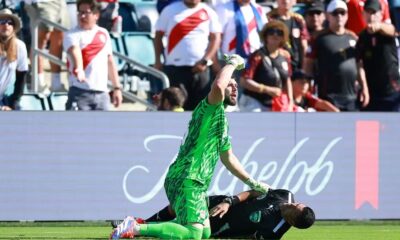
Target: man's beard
[229, 102]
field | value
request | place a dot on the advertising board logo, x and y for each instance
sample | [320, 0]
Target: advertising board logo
[312, 177]
[290, 174]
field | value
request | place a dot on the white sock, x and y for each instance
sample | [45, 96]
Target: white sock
[41, 80]
[55, 80]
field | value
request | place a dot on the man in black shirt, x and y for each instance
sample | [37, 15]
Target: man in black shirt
[298, 34]
[251, 214]
[337, 70]
[376, 49]
[315, 17]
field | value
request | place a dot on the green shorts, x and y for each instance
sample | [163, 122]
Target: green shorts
[188, 198]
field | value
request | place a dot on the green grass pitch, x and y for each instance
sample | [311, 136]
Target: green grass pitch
[322, 230]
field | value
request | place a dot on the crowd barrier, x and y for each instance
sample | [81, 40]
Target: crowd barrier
[106, 165]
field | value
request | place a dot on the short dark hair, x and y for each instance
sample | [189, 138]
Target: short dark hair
[305, 219]
[94, 5]
[174, 95]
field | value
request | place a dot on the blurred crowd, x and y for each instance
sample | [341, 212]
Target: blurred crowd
[301, 56]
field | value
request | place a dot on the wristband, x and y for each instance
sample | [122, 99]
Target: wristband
[117, 88]
[228, 200]
[232, 201]
[206, 62]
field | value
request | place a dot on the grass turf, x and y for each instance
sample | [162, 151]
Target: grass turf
[322, 230]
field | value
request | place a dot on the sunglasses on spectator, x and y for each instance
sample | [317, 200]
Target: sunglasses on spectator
[6, 21]
[86, 13]
[274, 31]
[312, 13]
[337, 13]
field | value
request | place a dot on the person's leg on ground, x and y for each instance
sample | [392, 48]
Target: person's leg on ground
[165, 214]
[206, 230]
[188, 199]
[190, 205]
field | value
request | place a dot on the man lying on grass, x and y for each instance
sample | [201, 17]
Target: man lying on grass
[249, 214]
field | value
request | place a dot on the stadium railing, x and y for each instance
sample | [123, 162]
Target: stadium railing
[128, 68]
[33, 102]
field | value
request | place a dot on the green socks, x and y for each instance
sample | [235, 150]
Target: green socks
[171, 230]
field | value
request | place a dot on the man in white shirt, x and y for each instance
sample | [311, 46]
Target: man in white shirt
[192, 31]
[241, 22]
[90, 62]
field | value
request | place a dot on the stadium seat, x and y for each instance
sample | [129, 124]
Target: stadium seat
[33, 102]
[139, 47]
[118, 46]
[138, 15]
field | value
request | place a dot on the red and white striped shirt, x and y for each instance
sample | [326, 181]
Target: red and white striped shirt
[95, 45]
[187, 31]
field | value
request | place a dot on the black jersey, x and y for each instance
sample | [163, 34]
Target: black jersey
[272, 72]
[297, 28]
[379, 56]
[260, 217]
[335, 55]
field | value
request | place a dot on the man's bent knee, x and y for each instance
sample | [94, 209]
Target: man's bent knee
[196, 231]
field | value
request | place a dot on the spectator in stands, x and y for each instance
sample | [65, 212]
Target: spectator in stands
[192, 32]
[303, 99]
[298, 34]
[170, 99]
[338, 72]
[377, 52]
[356, 22]
[316, 22]
[13, 61]
[91, 63]
[55, 11]
[241, 21]
[109, 17]
[315, 17]
[268, 71]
